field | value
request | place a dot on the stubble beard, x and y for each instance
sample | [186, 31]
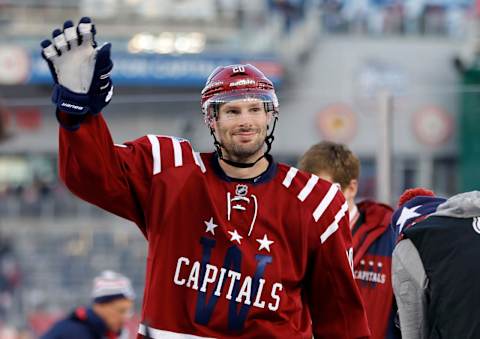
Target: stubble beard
[245, 153]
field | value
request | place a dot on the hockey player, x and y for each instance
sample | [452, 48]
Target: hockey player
[238, 244]
[373, 238]
[435, 265]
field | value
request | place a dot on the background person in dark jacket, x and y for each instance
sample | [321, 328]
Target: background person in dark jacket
[111, 307]
[435, 267]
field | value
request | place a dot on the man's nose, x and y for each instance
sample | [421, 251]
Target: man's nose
[245, 116]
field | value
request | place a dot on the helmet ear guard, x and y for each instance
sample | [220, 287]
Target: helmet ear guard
[210, 113]
[270, 107]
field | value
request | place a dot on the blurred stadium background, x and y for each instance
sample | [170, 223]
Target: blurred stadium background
[333, 61]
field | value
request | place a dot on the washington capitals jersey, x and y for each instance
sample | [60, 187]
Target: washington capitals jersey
[373, 242]
[268, 257]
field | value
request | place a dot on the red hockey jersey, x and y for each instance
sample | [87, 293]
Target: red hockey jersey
[373, 242]
[260, 258]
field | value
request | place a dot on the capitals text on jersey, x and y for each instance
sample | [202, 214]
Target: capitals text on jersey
[242, 290]
[188, 272]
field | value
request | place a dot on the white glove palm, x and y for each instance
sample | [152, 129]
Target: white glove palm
[75, 64]
[80, 70]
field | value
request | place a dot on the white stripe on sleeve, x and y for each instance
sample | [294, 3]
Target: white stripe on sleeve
[308, 188]
[289, 177]
[327, 199]
[177, 152]
[334, 225]
[157, 165]
[199, 161]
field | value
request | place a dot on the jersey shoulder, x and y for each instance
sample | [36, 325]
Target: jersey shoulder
[313, 194]
[165, 152]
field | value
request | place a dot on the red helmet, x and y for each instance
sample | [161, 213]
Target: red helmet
[234, 82]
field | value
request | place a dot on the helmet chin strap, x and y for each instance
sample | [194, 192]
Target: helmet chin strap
[218, 147]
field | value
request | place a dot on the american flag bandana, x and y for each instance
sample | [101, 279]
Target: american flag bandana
[414, 211]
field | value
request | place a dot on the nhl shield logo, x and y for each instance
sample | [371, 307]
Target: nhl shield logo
[241, 190]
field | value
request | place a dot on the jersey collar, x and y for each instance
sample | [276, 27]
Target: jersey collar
[266, 176]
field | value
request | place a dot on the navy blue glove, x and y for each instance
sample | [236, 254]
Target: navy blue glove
[80, 69]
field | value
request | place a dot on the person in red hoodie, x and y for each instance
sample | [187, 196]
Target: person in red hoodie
[372, 236]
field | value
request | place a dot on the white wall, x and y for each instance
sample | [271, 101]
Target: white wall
[418, 70]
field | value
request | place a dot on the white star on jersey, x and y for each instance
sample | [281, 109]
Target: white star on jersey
[210, 226]
[235, 236]
[264, 243]
[407, 213]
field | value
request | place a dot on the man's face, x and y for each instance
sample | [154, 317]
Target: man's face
[116, 313]
[241, 128]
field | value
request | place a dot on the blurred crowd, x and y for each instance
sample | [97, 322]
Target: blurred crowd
[40, 267]
[412, 17]
[376, 17]
[10, 284]
[41, 198]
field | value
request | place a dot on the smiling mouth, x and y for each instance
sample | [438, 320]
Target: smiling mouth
[245, 134]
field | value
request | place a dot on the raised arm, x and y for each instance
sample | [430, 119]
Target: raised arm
[115, 178]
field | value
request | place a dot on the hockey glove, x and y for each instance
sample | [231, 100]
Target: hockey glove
[81, 71]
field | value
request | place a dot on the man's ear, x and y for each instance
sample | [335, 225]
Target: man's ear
[213, 124]
[269, 117]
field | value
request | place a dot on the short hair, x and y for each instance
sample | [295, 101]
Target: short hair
[337, 160]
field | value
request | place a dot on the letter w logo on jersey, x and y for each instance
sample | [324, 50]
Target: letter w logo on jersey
[236, 293]
[241, 290]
